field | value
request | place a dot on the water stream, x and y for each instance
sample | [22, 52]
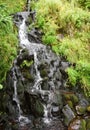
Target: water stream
[33, 49]
[37, 96]
[36, 79]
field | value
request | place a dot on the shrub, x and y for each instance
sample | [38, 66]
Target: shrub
[8, 35]
[66, 27]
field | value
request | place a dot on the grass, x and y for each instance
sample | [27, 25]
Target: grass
[8, 34]
[66, 28]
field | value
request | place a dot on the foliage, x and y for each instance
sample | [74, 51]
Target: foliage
[8, 35]
[1, 86]
[26, 63]
[84, 3]
[66, 27]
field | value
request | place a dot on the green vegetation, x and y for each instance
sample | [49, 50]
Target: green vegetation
[26, 63]
[8, 34]
[66, 28]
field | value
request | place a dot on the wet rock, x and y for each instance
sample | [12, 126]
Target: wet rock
[55, 111]
[27, 75]
[34, 104]
[82, 101]
[57, 99]
[44, 73]
[82, 106]
[68, 113]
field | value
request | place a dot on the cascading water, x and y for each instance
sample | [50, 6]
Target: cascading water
[37, 78]
[36, 92]
[33, 50]
[15, 96]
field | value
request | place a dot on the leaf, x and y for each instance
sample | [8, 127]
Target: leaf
[1, 86]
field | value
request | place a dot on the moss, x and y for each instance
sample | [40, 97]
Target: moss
[67, 96]
[88, 108]
[43, 73]
[70, 104]
[80, 110]
[88, 124]
[83, 125]
[26, 63]
[74, 99]
[39, 107]
[27, 75]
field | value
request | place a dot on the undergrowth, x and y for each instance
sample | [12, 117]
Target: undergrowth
[8, 34]
[66, 28]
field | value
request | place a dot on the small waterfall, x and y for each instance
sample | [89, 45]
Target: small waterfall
[38, 77]
[22, 34]
[15, 96]
[40, 80]
[33, 48]
[22, 119]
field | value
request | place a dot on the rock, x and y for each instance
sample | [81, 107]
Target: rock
[80, 110]
[82, 106]
[57, 99]
[44, 73]
[88, 109]
[88, 124]
[68, 113]
[77, 124]
[55, 111]
[71, 96]
[34, 104]
[74, 99]
[70, 104]
[82, 101]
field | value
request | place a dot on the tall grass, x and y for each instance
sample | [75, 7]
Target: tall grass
[8, 34]
[66, 27]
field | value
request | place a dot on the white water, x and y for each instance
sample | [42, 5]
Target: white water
[33, 49]
[38, 77]
[22, 119]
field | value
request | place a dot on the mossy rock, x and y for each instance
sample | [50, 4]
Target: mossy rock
[88, 124]
[78, 124]
[70, 104]
[36, 107]
[80, 110]
[26, 64]
[83, 125]
[43, 73]
[39, 108]
[66, 96]
[27, 75]
[88, 109]
[74, 99]
[71, 97]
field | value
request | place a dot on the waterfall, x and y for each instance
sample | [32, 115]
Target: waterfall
[15, 96]
[38, 77]
[32, 48]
